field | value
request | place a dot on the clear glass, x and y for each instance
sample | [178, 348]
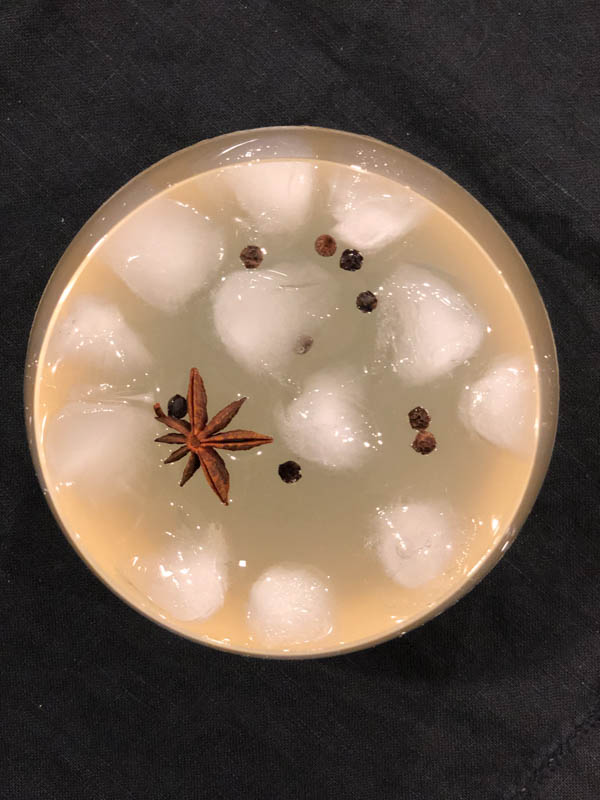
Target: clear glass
[345, 149]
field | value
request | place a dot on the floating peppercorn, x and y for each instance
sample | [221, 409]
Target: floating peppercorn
[303, 344]
[177, 406]
[251, 256]
[325, 245]
[351, 260]
[366, 302]
[289, 472]
[424, 443]
[419, 418]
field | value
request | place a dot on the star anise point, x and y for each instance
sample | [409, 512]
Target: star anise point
[200, 436]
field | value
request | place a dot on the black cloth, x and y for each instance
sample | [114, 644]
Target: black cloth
[498, 697]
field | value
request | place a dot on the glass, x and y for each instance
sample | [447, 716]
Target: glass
[363, 153]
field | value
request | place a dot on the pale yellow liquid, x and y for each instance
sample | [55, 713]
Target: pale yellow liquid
[326, 521]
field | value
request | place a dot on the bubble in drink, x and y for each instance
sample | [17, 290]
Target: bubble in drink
[260, 315]
[415, 542]
[185, 578]
[166, 253]
[500, 406]
[369, 220]
[325, 423]
[91, 445]
[95, 331]
[276, 196]
[425, 326]
[290, 604]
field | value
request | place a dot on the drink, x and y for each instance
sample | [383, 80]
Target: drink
[375, 533]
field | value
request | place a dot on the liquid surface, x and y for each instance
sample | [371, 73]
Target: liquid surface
[373, 533]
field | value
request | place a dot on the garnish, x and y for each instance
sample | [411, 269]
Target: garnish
[251, 256]
[351, 260]
[366, 302]
[419, 418]
[199, 437]
[424, 443]
[303, 344]
[289, 472]
[325, 245]
[177, 406]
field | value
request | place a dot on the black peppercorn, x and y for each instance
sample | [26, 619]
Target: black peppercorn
[177, 406]
[366, 302]
[419, 418]
[351, 260]
[251, 256]
[303, 344]
[424, 443]
[289, 472]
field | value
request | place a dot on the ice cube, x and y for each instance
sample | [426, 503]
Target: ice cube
[325, 423]
[424, 325]
[290, 604]
[369, 220]
[415, 542]
[95, 331]
[501, 405]
[260, 314]
[166, 252]
[185, 578]
[98, 445]
[275, 195]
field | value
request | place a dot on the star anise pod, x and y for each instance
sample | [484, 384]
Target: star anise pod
[199, 437]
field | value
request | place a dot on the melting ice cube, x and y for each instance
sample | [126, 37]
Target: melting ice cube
[325, 423]
[186, 579]
[368, 220]
[290, 604]
[261, 314]
[415, 542]
[165, 253]
[276, 195]
[425, 326]
[95, 331]
[501, 405]
[98, 445]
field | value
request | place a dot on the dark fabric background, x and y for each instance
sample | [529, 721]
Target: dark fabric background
[498, 697]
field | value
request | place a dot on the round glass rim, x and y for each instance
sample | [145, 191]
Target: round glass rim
[366, 153]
